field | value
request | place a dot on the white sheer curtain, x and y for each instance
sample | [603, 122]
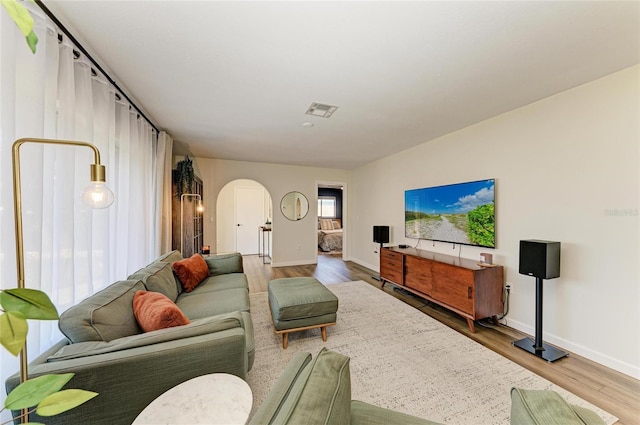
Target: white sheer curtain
[164, 165]
[70, 250]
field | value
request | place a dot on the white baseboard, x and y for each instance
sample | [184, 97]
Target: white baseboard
[622, 367]
[293, 263]
[367, 265]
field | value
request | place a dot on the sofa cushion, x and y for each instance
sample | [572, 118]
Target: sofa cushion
[191, 271]
[224, 263]
[154, 311]
[536, 407]
[158, 277]
[169, 257]
[222, 282]
[197, 305]
[104, 316]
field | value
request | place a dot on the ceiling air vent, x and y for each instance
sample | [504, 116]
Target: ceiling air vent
[321, 110]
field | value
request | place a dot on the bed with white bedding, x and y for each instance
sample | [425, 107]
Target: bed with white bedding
[329, 235]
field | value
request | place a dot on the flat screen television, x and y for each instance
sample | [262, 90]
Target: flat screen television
[462, 213]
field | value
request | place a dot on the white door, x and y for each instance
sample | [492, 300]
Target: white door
[249, 216]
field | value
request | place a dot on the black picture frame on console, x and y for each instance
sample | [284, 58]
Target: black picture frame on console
[540, 259]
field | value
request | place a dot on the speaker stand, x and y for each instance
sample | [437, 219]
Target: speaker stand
[538, 347]
[377, 276]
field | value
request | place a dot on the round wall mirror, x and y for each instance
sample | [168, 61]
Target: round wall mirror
[294, 206]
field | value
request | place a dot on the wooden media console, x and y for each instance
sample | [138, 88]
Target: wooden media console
[458, 284]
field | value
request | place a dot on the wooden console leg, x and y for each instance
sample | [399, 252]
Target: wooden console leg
[285, 340]
[323, 330]
[472, 327]
[495, 320]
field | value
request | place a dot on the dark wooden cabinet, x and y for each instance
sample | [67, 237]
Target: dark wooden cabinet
[392, 266]
[189, 234]
[418, 274]
[459, 284]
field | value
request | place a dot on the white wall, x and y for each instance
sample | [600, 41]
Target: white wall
[225, 236]
[566, 169]
[293, 242]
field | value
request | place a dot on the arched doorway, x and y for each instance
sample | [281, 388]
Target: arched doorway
[242, 206]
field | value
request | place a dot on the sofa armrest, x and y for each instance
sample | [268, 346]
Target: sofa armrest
[278, 395]
[224, 263]
[128, 380]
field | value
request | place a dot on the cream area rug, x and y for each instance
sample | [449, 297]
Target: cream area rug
[401, 359]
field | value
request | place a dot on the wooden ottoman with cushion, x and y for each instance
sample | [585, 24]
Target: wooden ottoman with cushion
[301, 303]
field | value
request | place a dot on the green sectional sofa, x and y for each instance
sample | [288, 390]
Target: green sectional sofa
[109, 353]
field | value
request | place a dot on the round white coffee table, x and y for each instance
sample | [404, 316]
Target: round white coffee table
[218, 398]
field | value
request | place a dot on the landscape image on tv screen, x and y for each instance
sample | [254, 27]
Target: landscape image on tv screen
[462, 213]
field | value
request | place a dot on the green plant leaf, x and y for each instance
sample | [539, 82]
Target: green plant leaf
[34, 304]
[23, 20]
[32, 40]
[20, 15]
[63, 401]
[33, 391]
[13, 331]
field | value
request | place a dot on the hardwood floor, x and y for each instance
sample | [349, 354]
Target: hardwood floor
[608, 389]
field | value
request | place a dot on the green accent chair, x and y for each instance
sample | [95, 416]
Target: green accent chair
[541, 407]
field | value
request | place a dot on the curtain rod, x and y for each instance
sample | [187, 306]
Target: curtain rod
[93, 61]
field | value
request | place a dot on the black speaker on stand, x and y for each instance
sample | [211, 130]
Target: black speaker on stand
[381, 236]
[540, 259]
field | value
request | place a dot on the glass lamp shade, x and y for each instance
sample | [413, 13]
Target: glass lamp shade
[200, 207]
[97, 195]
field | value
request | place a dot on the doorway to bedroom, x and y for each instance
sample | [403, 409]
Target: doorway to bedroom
[331, 219]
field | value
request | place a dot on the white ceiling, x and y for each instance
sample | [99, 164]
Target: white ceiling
[232, 80]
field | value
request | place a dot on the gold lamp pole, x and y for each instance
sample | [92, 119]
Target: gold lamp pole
[97, 195]
[199, 208]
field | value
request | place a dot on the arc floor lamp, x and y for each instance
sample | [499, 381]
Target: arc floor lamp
[96, 195]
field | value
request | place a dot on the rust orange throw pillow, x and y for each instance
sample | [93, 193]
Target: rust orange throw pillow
[191, 271]
[154, 311]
